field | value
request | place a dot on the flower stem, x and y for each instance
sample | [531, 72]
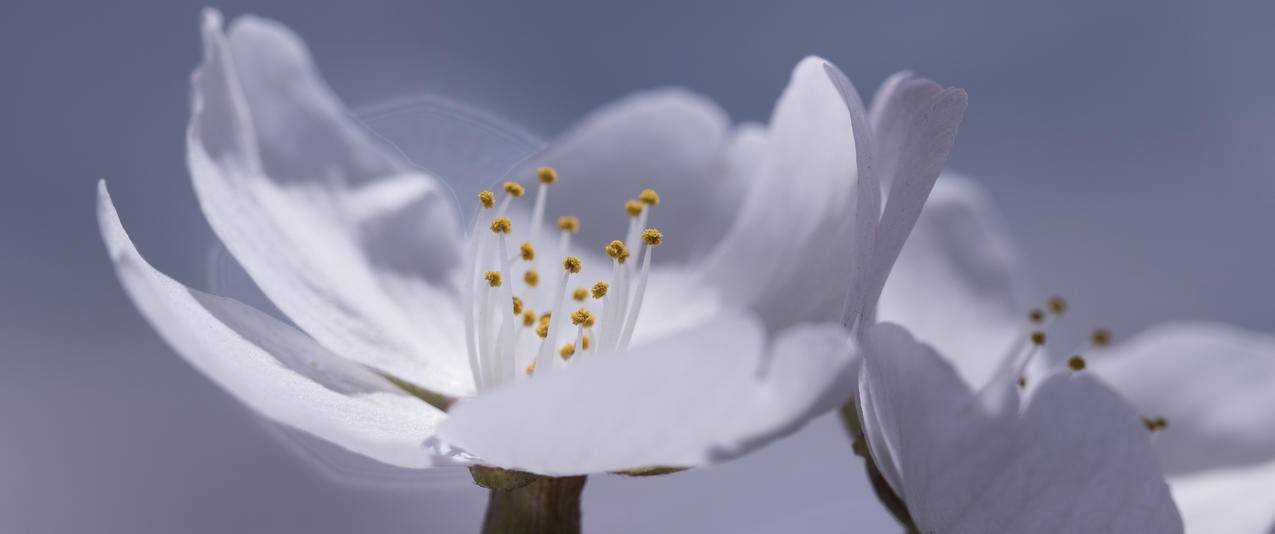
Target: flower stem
[887, 496]
[546, 505]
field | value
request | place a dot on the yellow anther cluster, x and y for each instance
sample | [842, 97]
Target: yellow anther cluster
[531, 278]
[649, 197]
[617, 251]
[567, 351]
[1100, 337]
[1076, 363]
[633, 208]
[546, 175]
[584, 343]
[572, 264]
[1036, 316]
[1155, 424]
[1057, 305]
[493, 278]
[517, 305]
[542, 329]
[531, 368]
[652, 237]
[580, 294]
[502, 225]
[528, 318]
[1038, 338]
[527, 251]
[514, 189]
[487, 198]
[582, 317]
[569, 224]
[600, 290]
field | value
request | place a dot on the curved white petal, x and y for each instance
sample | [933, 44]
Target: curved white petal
[956, 284]
[796, 243]
[669, 140]
[704, 396]
[274, 369]
[915, 129]
[1213, 383]
[1227, 501]
[1076, 459]
[343, 236]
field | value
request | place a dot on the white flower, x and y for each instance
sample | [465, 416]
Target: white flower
[727, 341]
[1203, 389]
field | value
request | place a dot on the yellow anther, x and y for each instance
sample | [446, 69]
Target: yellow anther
[517, 305]
[1057, 305]
[618, 251]
[1076, 363]
[1036, 316]
[493, 278]
[588, 323]
[600, 290]
[1022, 381]
[514, 189]
[487, 198]
[649, 197]
[544, 317]
[633, 208]
[531, 369]
[531, 278]
[528, 318]
[652, 237]
[1100, 337]
[584, 343]
[580, 317]
[580, 294]
[567, 351]
[1155, 424]
[546, 175]
[527, 251]
[569, 224]
[572, 264]
[542, 329]
[1038, 338]
[502, 225]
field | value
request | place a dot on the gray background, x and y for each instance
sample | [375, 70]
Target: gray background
[1128, 143]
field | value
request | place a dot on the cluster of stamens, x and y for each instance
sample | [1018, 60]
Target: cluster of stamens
[607, 312]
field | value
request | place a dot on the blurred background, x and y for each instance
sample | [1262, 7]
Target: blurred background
[1127, 143]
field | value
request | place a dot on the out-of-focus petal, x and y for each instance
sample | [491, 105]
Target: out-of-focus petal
[1213, 383]
[1227, 501]
[274, 369]
[1076, 459]
[957, 282]
[916, 132]
[343, 236]
[704, 396]
[669, 140]
[795, 244]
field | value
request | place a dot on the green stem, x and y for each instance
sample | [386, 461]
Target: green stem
[547, 505]
[887, 496]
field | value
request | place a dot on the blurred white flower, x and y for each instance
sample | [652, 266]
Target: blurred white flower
[727, 341]
[1203, 390]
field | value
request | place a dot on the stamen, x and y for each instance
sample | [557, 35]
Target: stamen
[570, 225]
[600, 289]
[1076, 363]
[584, 343]
[572, 264]
[542, 329]
[1038, 338]
[633, 208]
[581, 317]
[1057, 305]
[493, 278]
[579, 294]
[487, 199]
[651, 238]
[1100, 337]
[531, 278]
[531, 368]
[517, 306]
[528, 318]
[514, 189]
[547, 175]
[567, 351]
[649, 197]
[1155, 424]
[1036, 316]
[526, 251]
[501, 225]
[618, 251]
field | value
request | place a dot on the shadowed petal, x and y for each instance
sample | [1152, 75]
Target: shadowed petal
[1227, 501]
[274, 369]
[705, 396]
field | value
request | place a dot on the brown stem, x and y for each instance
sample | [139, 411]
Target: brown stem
[545, 506]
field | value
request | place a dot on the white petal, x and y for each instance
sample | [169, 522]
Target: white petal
[344, 237]
[795, 245]
[1077, 459]
[956, 284]
[1213, 383]
[1227, 501]
[669, 140]
[916, 132]
[705, 396]
[276, 370]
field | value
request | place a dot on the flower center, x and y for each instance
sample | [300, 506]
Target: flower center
[515, 322]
